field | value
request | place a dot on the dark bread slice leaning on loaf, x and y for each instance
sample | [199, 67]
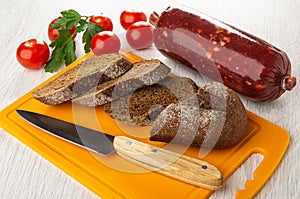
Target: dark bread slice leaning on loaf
[81, 78]
[141, 107]
[141, 74]
[213, 118]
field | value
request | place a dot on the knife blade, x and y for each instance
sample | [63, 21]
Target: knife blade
[180, 167]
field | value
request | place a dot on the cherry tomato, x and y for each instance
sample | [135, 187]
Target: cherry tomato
[127, 18]
[103, 21]
[105, 42]
[53, 32]
[140, 35]
[33, 53]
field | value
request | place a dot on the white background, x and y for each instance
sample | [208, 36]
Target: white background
[24, 174]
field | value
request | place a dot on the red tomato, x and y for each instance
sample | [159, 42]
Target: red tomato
[140, 35]
[103, 21]
[127, 18]
[53, 32]
[33, 53]
[105, 42]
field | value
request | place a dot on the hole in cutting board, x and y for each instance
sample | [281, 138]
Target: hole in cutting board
[238, 179]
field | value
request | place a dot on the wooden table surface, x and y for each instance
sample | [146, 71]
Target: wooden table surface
[25, 174]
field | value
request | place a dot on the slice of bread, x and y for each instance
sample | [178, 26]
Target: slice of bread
[213, 118]
[81, 78]
[141, 74]
[141, 107]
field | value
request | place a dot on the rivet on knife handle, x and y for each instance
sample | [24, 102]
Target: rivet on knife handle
[180, 167]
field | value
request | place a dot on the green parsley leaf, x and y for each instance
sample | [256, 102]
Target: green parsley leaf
[70, 14]
[63, 46]
[64, 35]
[56, 60]
[68, 19]
[59, 23]
[91, 30]
[69, 51]
[82, 26]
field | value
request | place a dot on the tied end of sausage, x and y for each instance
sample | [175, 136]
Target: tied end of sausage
[289, 83]
[154, 17]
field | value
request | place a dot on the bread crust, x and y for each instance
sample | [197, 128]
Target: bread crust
[81, 78]
[213, 118]
[141, 74]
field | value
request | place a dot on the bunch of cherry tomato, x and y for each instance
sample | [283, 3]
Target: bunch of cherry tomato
[34, 53]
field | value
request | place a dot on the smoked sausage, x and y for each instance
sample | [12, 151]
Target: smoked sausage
[241, 61]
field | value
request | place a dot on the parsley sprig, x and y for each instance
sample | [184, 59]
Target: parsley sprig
[63, 46]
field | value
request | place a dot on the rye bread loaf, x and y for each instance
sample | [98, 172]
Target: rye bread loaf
[81, 78]
[141, 107]
[213, 118]
[141, 74]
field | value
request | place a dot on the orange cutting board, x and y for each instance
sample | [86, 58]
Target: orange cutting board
[114, 177]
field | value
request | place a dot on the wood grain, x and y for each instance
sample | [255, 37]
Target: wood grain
[175, 165]
[24, 174]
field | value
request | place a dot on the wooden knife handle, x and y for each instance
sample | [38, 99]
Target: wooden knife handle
[175, 165]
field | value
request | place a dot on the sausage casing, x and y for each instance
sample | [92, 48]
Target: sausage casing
[243, 62]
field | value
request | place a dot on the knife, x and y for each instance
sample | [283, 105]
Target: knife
[171, 164]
